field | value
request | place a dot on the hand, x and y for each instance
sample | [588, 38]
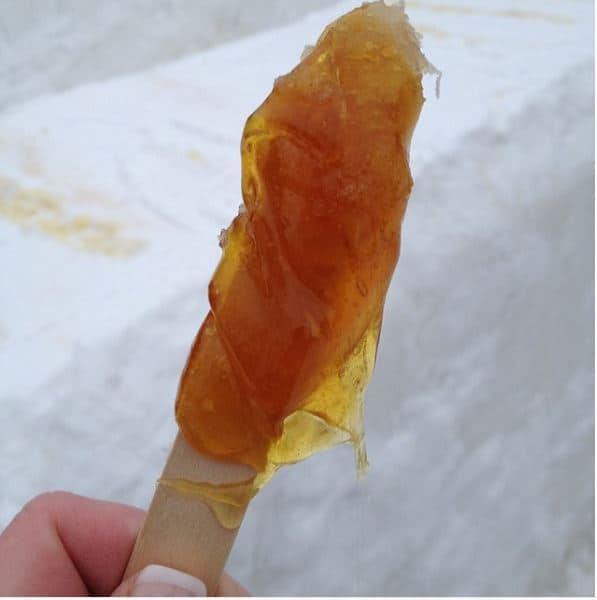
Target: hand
[61, 544]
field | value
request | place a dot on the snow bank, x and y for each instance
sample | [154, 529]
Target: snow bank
[480, 416]
[52, 46]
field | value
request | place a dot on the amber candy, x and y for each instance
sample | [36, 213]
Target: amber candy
[278, 368]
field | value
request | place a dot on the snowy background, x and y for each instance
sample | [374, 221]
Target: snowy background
[480, 416]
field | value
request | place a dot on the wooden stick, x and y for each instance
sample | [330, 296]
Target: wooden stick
[180, 530]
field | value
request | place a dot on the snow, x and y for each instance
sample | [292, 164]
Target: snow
[53, 46]
[480, 416]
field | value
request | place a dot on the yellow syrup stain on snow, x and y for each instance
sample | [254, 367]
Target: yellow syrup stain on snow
[39, 210]
[31, 163]
[430, 30]
[442, 34]
[194, 154]
[461, 9]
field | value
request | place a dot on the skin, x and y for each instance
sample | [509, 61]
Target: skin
[61, 544]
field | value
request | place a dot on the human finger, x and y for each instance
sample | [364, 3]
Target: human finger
[157, 580]
[62, 544]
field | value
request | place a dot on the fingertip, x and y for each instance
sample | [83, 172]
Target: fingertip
[157, 580]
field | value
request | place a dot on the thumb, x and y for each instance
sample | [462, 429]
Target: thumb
[156, 580]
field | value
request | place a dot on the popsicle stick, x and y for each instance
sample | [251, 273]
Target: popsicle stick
[180, 530]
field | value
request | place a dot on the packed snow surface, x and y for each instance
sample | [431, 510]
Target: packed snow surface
[480, 416]
[52, 46]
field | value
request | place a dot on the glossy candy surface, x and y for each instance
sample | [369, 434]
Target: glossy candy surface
[278, 368]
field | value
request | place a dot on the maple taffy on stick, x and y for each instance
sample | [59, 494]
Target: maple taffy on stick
[278, 368]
